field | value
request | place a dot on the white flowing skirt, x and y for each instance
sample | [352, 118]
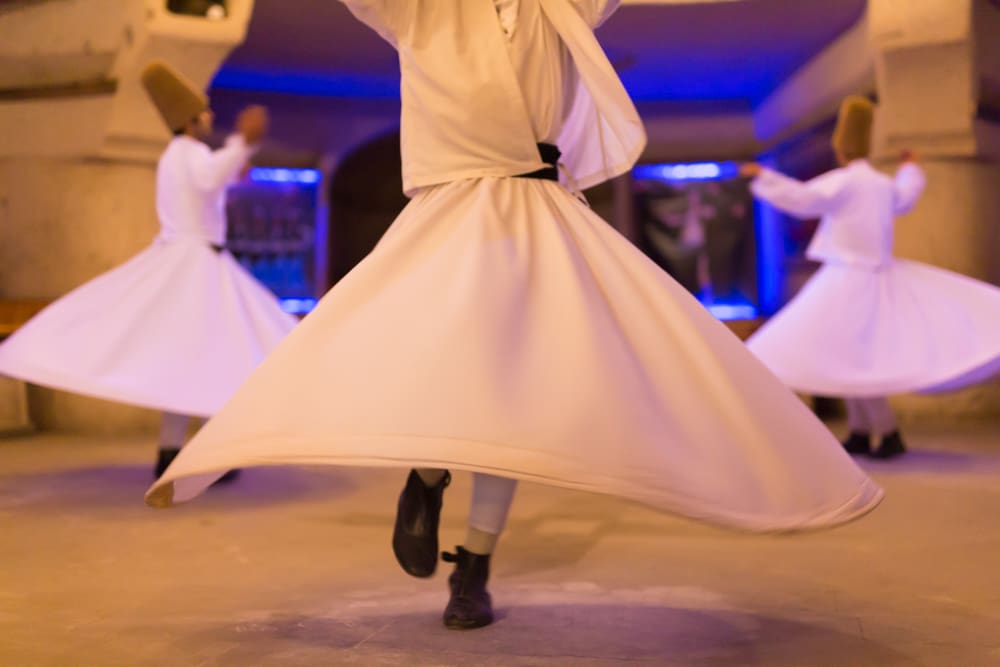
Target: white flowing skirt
[178, 328]
[862, 332]
[500, 326]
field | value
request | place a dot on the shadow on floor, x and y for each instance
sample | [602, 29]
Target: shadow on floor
[103, 489]
[934, 461]
[550, 634]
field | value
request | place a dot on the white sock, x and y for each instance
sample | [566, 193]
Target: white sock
[173, 430]
[491, 500]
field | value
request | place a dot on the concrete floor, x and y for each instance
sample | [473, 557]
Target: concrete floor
[292, 567]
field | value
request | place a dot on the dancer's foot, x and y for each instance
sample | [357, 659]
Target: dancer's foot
[415, 536]
[858, 443]
[470, 605]
[890, 447]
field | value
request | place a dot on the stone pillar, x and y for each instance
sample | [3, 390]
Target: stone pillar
[79, 142]
[932, 57]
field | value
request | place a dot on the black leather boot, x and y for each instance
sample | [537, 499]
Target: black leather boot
[858, 443]
[164, 457]
[891, 446]
[470, 605]
[415, 536]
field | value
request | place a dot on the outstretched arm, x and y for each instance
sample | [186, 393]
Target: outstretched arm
[386, 17]
[811, 199]
[214, 170]
[596, 12]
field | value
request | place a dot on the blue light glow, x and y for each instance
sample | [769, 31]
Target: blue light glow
[298, 306]
[320, 84]
[276, 175]
[732, 311]
[769, 257]
[692, 171]
[770, 251]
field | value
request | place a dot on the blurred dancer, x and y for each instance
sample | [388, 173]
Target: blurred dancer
[868, 325]
[179, 326]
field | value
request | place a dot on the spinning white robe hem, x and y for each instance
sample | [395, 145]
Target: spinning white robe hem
[628, 385]
[500, 326]
[194, 481]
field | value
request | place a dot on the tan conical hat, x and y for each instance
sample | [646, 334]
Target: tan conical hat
[853, 135]
[175, 98]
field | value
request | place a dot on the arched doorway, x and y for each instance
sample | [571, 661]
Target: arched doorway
[366, 195]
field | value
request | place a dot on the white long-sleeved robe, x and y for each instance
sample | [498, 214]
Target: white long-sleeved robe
[466, 136]
[867, 324]
[500, 326]
[191, 182]
[176, 328]
[858, 206]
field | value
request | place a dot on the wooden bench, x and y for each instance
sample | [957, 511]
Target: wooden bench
[13, 393]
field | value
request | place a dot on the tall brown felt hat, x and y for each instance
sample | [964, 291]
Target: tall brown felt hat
[853, 134]
[174, 97]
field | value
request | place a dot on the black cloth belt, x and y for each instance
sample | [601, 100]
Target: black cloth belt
[550, 155]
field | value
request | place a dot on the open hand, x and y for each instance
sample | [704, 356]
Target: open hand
[253, 123]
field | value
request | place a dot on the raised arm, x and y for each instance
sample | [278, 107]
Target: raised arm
[811, 199]
[596, 12]
[908, 186]
[214, 170]
[386, 17]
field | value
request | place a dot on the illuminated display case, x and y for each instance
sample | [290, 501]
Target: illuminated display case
[275, 230]
[696, 221]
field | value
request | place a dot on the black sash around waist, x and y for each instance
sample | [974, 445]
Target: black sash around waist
[550, 155]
